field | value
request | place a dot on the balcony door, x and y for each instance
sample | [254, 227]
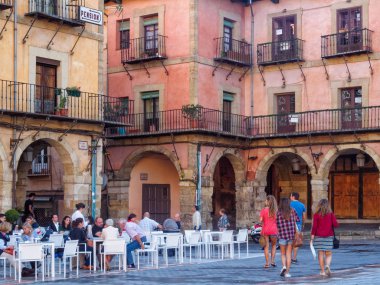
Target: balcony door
[151, 114]
[227, 35]
[283, 36]
[156, 201]
[227, 105]
[349, 29]
[285, 107]
[351, 100]
[151, 36]
[46, 82]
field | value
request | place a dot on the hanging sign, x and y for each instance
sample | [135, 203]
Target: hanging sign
[91, 16]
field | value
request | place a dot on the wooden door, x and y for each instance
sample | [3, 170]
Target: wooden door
[227, 105]
[283, 36]
[151, 115]
[285, 107]
[351, 100]
[156, 201]
[346, 195]
[371, 196]
[349, 28]
[46, 82]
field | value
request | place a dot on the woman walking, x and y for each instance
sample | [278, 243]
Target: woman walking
[322, 234]
[286, 224]
[269, 229]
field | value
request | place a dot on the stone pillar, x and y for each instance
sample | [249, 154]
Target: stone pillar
[259, 196]
[118, 197]
[319, 190]
[6, 193]
[244, 205]
[186, 201]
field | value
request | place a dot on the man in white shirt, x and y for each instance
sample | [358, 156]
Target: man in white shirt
[149, 225]
[197, 222]
[137, 235]
[109, 232]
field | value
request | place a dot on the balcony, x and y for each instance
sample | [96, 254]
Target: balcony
[346, 43]
[218, 123]
[66, 12]
[143, 49]
[280, 52]
[18, 98]
[233, 52]
[41, 166]
[6, 4]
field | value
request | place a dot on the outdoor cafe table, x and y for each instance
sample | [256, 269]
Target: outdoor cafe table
[95, 241]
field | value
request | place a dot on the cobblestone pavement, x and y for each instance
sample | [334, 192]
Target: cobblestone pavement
[356, 262]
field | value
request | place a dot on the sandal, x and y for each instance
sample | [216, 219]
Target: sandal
[273, 264]
[266, 266]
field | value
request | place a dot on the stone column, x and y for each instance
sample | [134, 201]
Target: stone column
[319, 190]
[187, 200]
[6, 193]
[259, 196]
[244, 205]
[118, 197]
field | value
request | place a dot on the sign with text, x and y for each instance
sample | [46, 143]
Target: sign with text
[83, 145]
[91, 16]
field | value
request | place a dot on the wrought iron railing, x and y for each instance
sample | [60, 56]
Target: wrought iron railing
[19, 97]
[40, 165]
[217, 122]
[5, 4]
[280, 52]
[233, 51]
[348, 42]
[143, 49]
[60, 9]
[118, 109]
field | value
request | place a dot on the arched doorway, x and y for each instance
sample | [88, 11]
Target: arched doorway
[154, 187]
[290, 173]
[41, 170]
[224, 193]
[354, 189]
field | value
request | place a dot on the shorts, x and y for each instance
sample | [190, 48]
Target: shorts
[285, 241]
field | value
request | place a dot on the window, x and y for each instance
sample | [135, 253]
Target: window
[151, 35]
[283, 35]
[227, 108]
[151, 110]
[45, 100]
[351, 102]
[124, 34]
[227, 34]
[349, 28]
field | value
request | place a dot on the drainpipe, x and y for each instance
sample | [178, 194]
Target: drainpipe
[252, 42]
[15, 35]
[94, 145]
[199, 174]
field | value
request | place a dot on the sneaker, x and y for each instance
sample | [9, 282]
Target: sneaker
[283, 270]
[328, 271]
[294, 261]
[323, 274]
[131, 266]
[287, 275]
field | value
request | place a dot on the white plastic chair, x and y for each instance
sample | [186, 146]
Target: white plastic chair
[85, 252]
[188, 234]
[70, 250]
[29, 252]
[57, 239]
[241, 238]
[4, 265]
[173, 241]
[194, 241]
[226, 240]
[151, 251]
[114, 247]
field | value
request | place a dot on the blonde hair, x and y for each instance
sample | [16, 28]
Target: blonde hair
[323, 207]
[272, 205]
[5, 227]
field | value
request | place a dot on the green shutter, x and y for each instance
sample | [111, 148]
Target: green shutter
[150, 21]
[228, 23]
[150, 95]
[227, 96]
[124, 25]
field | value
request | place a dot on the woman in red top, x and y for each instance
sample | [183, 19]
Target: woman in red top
[269, 229]
[322, 235]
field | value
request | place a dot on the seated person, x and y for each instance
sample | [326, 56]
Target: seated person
[77, 233]
[54, 224]
[109, 233]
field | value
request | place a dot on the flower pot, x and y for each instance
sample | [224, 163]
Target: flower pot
[63, 112]
[73, 93]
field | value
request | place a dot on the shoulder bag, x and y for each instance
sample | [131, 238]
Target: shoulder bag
[336, 241]
[298, 237]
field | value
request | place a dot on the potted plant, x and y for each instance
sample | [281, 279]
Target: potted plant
[61, 108]
[193, 113]
[73, 91]
[12, 216]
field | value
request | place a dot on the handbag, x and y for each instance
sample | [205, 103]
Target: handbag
[336, 241]
[262, 241]
[298, 239]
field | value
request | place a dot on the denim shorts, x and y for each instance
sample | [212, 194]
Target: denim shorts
[285, 241]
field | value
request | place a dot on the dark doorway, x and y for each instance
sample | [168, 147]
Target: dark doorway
[156, 201]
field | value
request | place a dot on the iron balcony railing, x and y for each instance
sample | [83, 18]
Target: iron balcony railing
[280, 52]
[233, 51]
[217, 122]
[19, 97]
[143, 49]
[118, 109]
[345, 43]
[40, 165]
[6, 4]
[61, 10]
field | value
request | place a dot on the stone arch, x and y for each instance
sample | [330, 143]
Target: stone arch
[67, 154]
[134, 157]
[333, 154]
[266, 162]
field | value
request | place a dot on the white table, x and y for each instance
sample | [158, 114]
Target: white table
[52, 253]
[95, 241]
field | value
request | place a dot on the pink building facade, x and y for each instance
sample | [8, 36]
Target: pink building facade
[294, 110]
